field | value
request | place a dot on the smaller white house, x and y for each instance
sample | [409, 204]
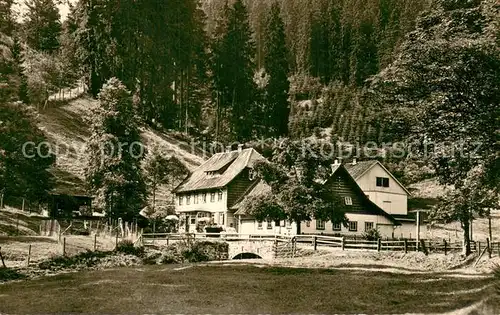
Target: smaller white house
[384, 189]
[363, 214]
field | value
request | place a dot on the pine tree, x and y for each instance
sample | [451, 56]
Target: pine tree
[233, 71]
[115, 153]
[43, 25]
[276, 64]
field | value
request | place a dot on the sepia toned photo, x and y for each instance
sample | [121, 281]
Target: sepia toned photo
[250, 157]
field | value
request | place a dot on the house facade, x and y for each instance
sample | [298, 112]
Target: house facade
[206, 196]
[388, 193]
[362, 213]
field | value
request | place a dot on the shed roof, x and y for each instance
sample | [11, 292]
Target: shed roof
[219, 170]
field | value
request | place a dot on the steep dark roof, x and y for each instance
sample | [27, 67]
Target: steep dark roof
[219, 170]
[359, 168]
[258, 188]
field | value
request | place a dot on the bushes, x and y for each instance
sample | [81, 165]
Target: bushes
[371, 235]
[127, 247]
[86, 259]
[7, 274]
[191, 252]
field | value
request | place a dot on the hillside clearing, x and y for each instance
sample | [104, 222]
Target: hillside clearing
[67, 132]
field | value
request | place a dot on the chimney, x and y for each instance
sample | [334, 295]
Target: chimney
[240, 147]
[336, 162]
[354, 162]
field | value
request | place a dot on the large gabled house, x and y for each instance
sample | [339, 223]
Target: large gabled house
[208, 194]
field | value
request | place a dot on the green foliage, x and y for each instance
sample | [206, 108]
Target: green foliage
[7, 274]
[277, 108]
[234, 90]
[23, 174]
[371, 235]
[198, 251]
[162, 170]
[87, 259]
[127, 247]
[115, 152]
[296, 175]
[42, 25]
[443, 89]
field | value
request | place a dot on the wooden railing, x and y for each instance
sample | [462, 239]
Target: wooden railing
[427, 246]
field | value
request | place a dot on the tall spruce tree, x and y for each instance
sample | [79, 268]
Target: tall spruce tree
[233, 71]
[115, 152]
[276, 65]
[43, 25]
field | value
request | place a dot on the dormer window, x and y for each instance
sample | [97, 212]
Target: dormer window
[251, 174]
[212, 174]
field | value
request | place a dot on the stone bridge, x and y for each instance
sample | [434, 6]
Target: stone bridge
[240, 249]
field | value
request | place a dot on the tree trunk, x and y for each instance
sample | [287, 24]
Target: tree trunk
[298, 227]
[465, 227]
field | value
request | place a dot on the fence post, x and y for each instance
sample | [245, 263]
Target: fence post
[379, 245]
[343, 243]
[479, 246]
[406, 246]
[116, 239]
[315, 243]
[29, 256]
[489, 248]
[445, 247]
[1, 200]
[64, 246]
[1, 258]
[95, 242]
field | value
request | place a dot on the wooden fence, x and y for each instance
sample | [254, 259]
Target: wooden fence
[426, 246]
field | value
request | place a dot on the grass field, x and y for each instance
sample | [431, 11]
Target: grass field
[241, 289]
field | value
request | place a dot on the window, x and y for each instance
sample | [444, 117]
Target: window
[188, 199]
[221, 217]
[348, 201]
[336, 226]
[251, 174]
[204, 197]
[368, 226]
[212, 197]
[220, 195]
[320, 225]
[382, 182]
[280, 223]
[288, 224]
[195, 198]
[181, 200]
[269, 224]
[193, 220]
[353, 226]
[259, 225]
[308, 223]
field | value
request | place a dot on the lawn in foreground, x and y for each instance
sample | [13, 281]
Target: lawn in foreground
[239, 289]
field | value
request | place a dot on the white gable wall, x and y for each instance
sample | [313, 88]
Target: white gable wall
[393, 199]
